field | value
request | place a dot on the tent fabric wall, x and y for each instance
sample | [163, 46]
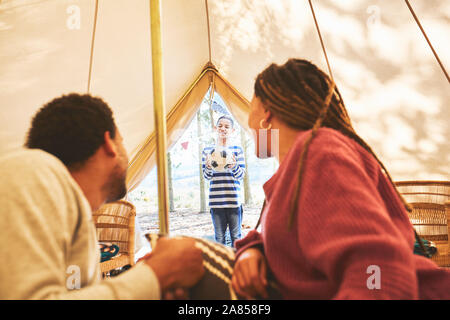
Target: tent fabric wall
[45, 54]
[236, 103]
[143, 159]
[40, 58]
[391, 84]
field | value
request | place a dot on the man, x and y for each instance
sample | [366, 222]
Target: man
[224, 191]
[49, 248]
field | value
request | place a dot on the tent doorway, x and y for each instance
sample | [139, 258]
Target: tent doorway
[188, 190]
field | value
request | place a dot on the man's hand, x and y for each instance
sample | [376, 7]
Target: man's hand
[249, 275]
[177, 263]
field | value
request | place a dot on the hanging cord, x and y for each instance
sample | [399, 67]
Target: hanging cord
[209, 34]
[211, 95]
[91, 57]
[325, 52]
[429, 43]
[321, 40]
[211, 99]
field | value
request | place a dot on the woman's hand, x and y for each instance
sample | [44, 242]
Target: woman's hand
[249, 275]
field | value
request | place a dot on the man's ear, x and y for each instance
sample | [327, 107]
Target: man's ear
[109, 145]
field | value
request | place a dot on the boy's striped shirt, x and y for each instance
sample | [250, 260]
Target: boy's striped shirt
[224, 187]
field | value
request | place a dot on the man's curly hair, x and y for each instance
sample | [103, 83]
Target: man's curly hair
[71, 127]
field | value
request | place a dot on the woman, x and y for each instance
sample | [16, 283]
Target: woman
[333, 225]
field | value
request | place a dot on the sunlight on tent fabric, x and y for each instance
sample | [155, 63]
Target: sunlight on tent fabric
[38, 61]
[391, 83]
[270, 28]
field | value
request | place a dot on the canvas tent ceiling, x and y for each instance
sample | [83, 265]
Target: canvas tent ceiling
[393, 87]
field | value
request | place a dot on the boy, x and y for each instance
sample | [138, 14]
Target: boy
[224, 191]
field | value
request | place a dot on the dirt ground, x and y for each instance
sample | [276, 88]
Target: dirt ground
[192, 223]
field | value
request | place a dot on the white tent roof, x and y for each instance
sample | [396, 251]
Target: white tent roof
[390, 81]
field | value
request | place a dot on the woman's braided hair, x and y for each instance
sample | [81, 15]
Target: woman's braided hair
[304, 97]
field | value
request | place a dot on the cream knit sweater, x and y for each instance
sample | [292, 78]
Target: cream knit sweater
[48, 245]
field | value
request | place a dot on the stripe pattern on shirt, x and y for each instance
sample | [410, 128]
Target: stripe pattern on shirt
[225, 187]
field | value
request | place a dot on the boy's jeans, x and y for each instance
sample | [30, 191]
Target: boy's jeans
[227, 217]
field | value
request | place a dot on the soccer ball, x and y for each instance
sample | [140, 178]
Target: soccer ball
[220, 158]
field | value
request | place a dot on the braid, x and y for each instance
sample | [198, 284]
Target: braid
[304, 97]
[316, 126]
[277, 103]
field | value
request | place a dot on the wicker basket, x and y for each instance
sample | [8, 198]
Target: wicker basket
[431, 213]
[115, 223]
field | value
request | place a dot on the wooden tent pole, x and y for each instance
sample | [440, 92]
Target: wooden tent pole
[211, 98]
[159, 113]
